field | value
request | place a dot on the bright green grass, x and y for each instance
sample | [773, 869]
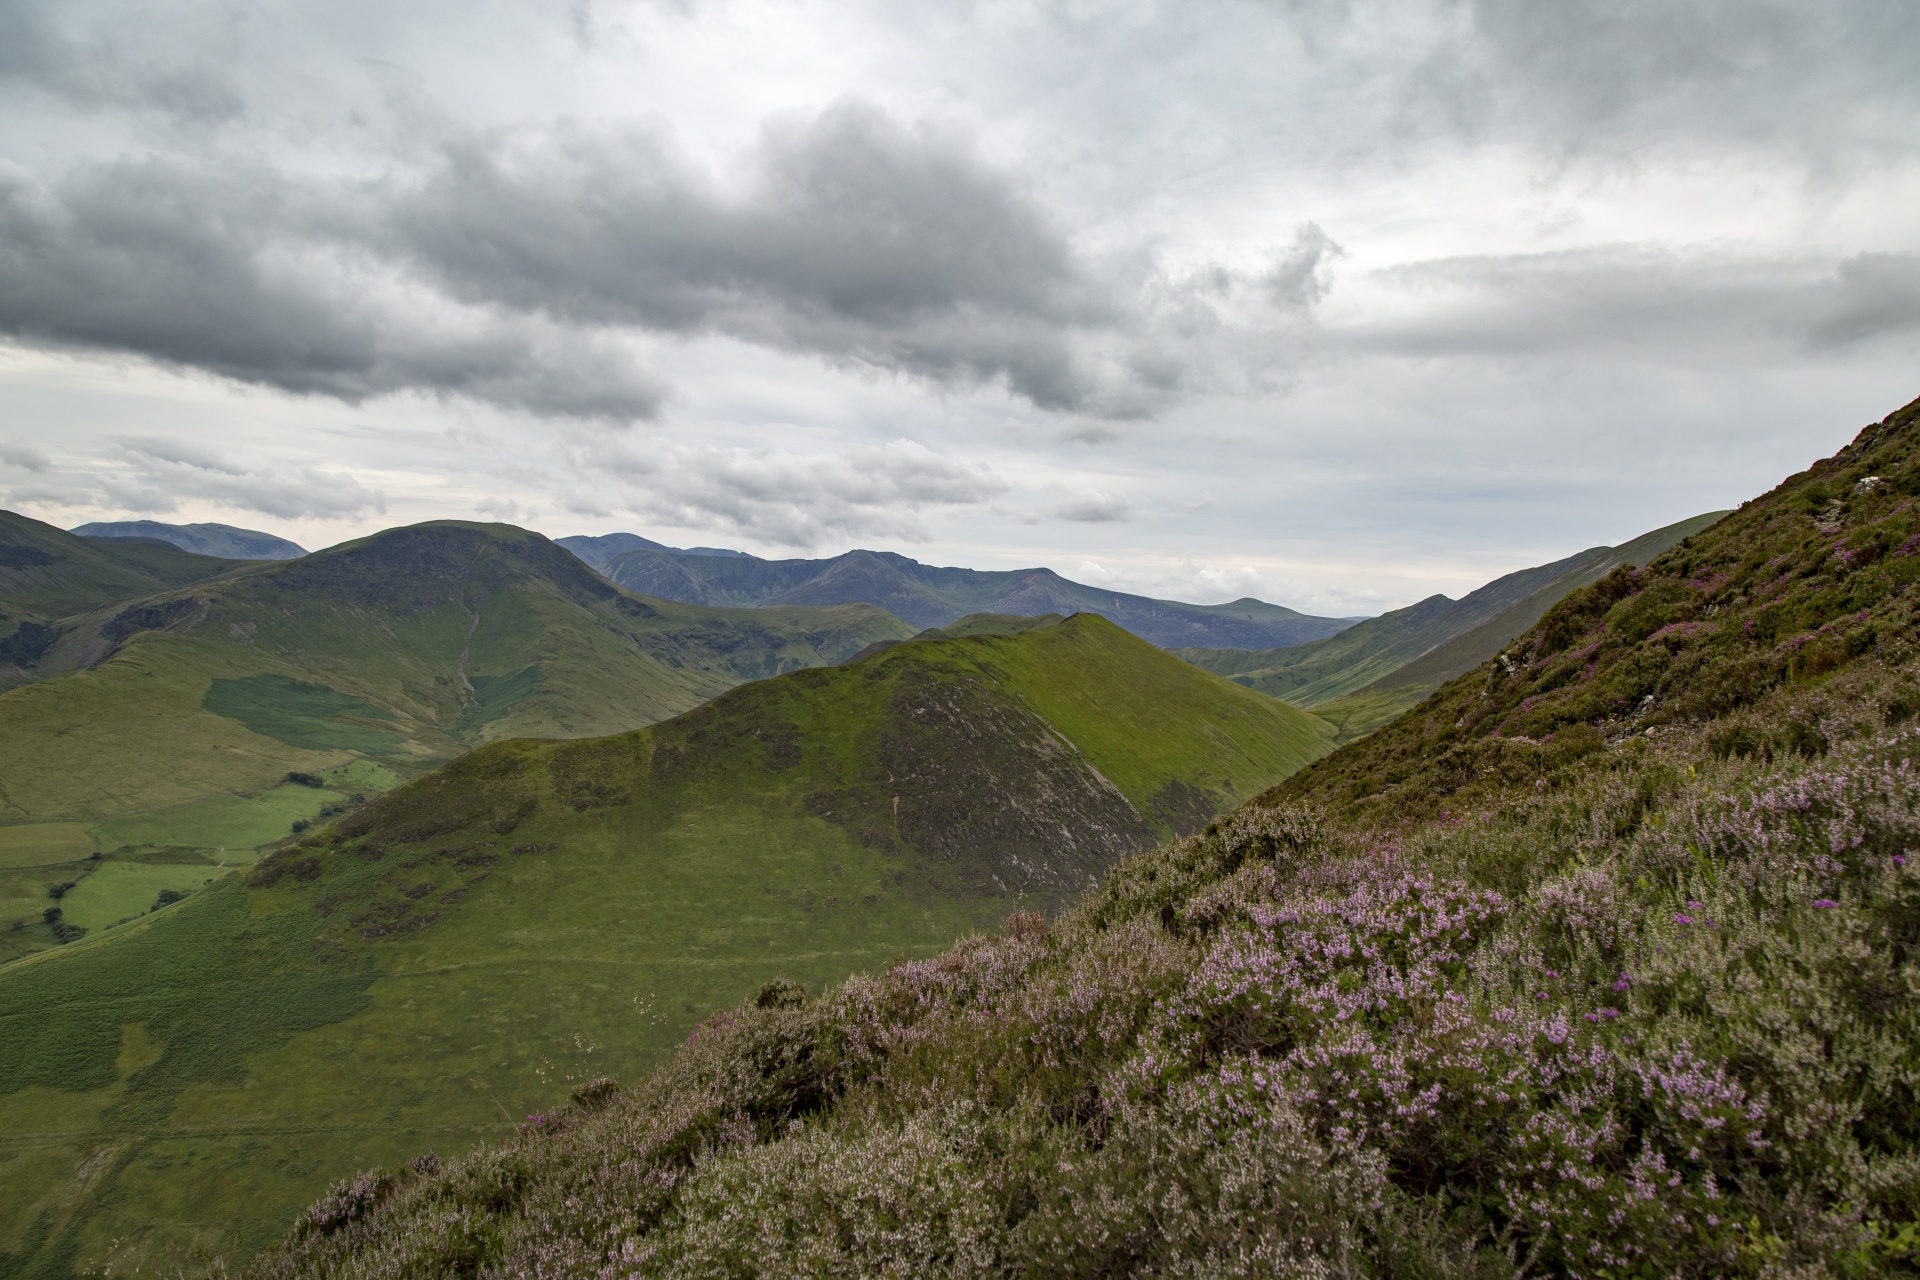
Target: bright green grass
[38, 844]
[118, 891]
[222, 822]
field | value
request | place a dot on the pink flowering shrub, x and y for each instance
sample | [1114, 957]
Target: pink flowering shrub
[1657, 1017]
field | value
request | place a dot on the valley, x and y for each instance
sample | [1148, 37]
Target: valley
[1366, 675]
[1597, 961]
[174, 727]
[466, 948]
[323, 862]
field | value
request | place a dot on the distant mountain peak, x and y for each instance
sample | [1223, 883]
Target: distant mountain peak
[929, 596]
[223, 541]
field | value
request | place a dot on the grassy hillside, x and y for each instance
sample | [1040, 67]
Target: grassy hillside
[1789, 587]
[47, 574]
[167, 726]
[1598, 964]
[1370, 673]
[468, 948]
[931, 596]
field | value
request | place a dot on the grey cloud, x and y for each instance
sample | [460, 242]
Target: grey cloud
[165, 472]
[860, 240]
[1600, 73]
[24, 457]
[234, 271]
[508, 272]
[111, 67]
[1671, 304]
[1299, 280]
[1095, 506]
[778, 497]
[1873, 293]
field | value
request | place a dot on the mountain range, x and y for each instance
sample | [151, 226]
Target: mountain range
[471, 946]
[1599, 961]
[1371, 672]
[222, 540]
[930, 596]
[152, 734]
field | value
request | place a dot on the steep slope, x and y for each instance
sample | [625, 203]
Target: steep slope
[1562, 997]
[930, 596]
[1793, 584]
[169, 726]
[47, 574]
[222, 540]
[471, 946]
[1371, 672]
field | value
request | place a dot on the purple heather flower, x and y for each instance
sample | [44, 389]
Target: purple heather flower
[1626, 980]
[1679, 919]
[1825, 902]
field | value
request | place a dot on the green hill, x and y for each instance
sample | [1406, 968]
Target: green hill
[471, 946]
[47, 574]
[1790, 587]
[182, 730]
[1370, 673]
[1599, 963]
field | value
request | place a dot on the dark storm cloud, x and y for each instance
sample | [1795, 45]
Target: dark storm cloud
[233, 270]
[858, 239]
[526, 266]
[505, 270]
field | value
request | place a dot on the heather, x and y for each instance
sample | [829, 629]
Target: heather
[1599, 963]
[1653, 1018]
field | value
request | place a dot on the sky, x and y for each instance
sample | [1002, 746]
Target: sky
[1331, 302]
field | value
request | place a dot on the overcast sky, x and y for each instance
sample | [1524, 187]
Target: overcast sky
[1334, 303]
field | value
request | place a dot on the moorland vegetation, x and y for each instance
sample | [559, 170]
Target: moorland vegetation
[466, 948]
[1602, 961]
[1366, 675]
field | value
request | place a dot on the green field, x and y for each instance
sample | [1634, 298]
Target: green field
[119, 891]
[221, 822]
[461, 951]
[36, 844]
